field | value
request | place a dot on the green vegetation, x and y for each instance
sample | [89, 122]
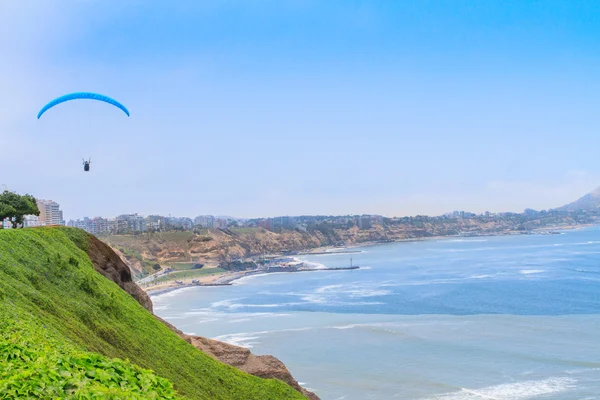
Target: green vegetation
[58, 309]
[34, 363]
[182, 266]
[132, 247]
[15, 207]
[192, 273]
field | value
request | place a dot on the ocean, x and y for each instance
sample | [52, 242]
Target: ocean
[511, 317]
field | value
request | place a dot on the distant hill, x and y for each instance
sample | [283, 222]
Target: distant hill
[590, 201]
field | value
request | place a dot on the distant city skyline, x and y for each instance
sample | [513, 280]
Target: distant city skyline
[302, 107]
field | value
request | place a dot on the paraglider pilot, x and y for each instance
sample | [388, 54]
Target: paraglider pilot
[86, 165]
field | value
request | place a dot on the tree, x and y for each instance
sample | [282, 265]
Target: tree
[15, 207]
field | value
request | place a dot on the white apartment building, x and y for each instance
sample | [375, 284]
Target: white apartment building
[50, 213]
[31, 221]
[206, 221]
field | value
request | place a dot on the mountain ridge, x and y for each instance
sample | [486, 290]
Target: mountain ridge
[589, 201]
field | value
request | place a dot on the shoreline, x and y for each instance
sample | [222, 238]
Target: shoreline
[227, 278]
[325, 250]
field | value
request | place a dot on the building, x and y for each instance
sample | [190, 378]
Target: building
[265, 224]
[31, 221]
[364, 222]
[129, 223]
[94, 226]
[220, 223]
[182, 223]
[155, 223]
[186, 223]
[205, 221]
[50, 213]
[287, 222]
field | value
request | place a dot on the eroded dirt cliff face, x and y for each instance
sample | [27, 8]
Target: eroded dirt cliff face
[214, 246]
[110, 265]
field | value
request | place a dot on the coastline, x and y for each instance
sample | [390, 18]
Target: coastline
[347, 249]
[227, 278]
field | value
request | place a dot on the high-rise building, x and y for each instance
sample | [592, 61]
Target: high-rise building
[130, 223]
[206, 221]
[94, 226]
[50, 213]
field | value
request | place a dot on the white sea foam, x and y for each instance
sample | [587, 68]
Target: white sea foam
[512, 391]
[355, 289]
[237, 320]
[586, 243]
[275, 305]
[352, 326]
[343, 294]
[171, 293]
[248, 339]
[531, 271]
[224, 303]
[331, 301]
[314, 265]
[462, 240]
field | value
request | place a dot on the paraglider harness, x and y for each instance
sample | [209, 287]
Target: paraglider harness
[86, 165]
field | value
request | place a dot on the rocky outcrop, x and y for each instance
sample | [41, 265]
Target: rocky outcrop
[242, 359]
[109, 264]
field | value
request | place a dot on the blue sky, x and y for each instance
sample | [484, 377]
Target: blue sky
[259, 108]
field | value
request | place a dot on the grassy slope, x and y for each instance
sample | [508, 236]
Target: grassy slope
[45, 276]
[195, 273]
[36, 363]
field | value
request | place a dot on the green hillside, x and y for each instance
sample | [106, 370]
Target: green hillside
[55, 309]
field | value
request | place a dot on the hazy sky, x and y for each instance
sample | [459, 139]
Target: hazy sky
[259, 108]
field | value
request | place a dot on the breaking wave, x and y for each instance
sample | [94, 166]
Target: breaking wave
[512, 391]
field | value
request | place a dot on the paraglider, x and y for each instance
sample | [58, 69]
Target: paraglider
[82, 95]
[79, 96]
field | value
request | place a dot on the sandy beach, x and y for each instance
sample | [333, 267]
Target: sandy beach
[152, 289]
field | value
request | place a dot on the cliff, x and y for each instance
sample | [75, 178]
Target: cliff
[69, 315]
[211, 247]
[109, 264]
[216, 246]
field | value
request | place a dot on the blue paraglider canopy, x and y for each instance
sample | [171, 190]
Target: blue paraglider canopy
[82, 95]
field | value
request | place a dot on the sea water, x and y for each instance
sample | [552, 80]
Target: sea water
[513, 317]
